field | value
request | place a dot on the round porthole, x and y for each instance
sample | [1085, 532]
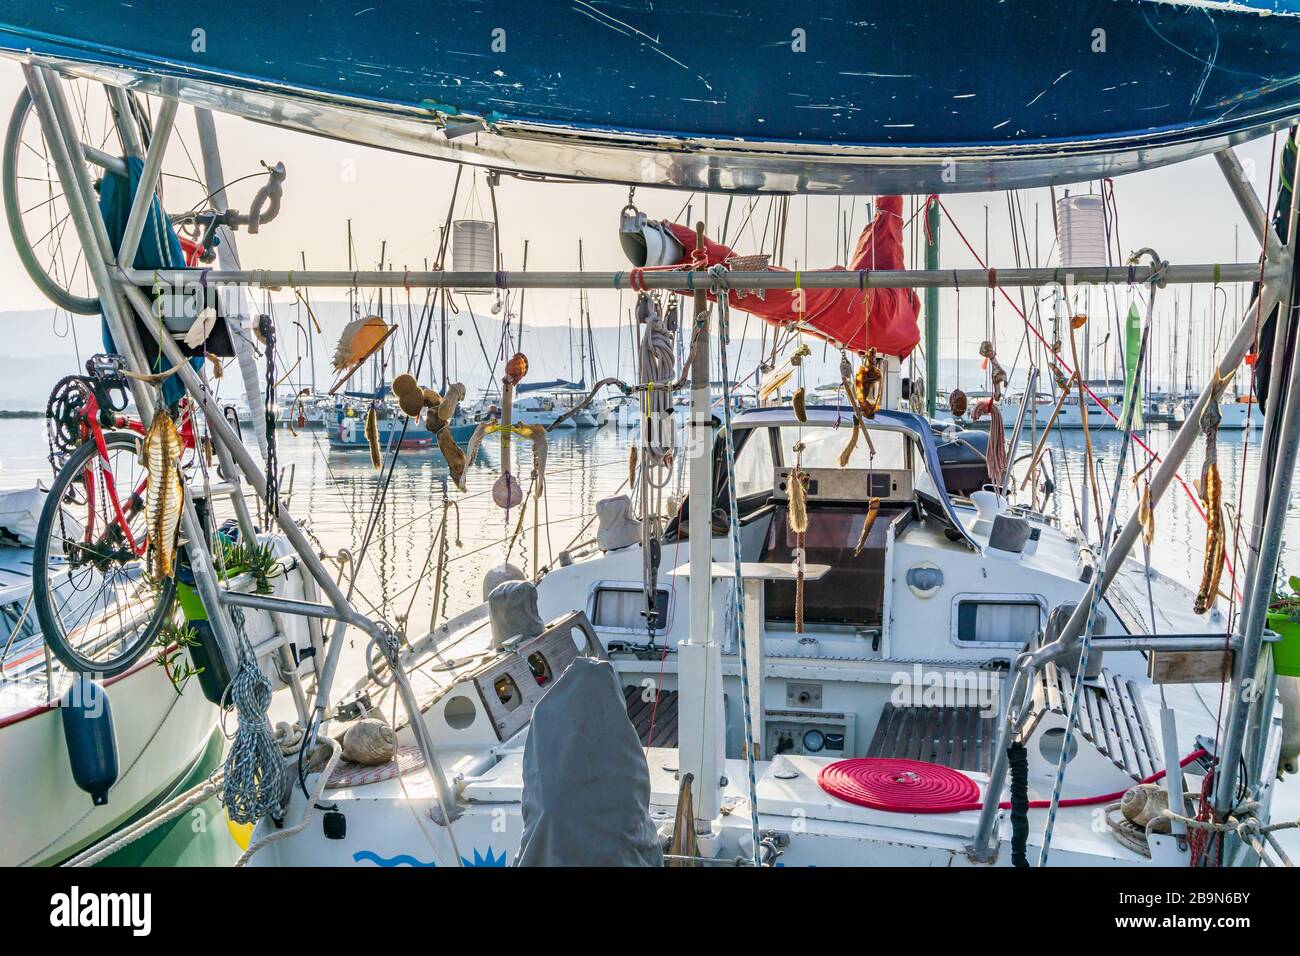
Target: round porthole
[459, 712]
[1052, 741]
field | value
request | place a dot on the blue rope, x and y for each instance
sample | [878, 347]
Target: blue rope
[719, 276]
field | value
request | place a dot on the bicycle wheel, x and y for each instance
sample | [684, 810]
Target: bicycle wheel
[36, 209]
[39, 221]
[98, 608]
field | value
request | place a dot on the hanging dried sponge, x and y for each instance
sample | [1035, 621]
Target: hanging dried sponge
[409, 395]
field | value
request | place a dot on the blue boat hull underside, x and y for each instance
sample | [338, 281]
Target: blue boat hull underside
[842, 95]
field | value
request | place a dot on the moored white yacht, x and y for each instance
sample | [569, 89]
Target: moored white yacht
[908, 651]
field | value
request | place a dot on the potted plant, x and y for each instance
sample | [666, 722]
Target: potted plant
[1284, 619]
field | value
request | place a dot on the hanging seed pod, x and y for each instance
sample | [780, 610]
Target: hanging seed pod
[1078, 321]
[506, 492]
[800, 409]
[372, 437]
[957, 403]
[517, 368]
[798, 502]
[631, 467]
[456, 459]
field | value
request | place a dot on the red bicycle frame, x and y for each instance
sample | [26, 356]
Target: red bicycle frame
[91, 429]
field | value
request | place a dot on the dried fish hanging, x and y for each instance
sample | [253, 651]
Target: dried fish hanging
[1211, 491]
[161, 457]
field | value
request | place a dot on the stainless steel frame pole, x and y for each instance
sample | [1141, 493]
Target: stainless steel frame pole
[65, 150]
[1273, 487]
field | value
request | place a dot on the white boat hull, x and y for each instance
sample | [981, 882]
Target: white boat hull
[160, 734]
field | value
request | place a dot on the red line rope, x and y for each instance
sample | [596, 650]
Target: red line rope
[916, 786]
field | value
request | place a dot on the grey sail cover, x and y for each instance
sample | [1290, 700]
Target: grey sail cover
[586, 784]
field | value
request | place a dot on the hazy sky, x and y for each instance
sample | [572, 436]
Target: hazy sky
[1185, 212]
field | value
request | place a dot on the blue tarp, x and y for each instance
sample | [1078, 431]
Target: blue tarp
[159, 249]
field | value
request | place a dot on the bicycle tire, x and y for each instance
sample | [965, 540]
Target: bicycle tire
[64, 299]
[42, 594]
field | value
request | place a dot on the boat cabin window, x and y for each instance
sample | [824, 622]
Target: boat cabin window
[621, 608]
[822, 447]
[1010, 621]
[754, 464]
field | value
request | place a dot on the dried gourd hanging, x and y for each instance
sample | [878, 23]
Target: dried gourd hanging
[372, 437]
[800, 408]
[506, 491]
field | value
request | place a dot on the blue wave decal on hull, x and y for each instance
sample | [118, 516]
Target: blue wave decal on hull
[402, 859]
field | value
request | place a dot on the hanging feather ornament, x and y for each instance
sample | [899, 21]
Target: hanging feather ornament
[372, 437]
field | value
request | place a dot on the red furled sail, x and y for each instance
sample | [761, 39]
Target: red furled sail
[841, 316]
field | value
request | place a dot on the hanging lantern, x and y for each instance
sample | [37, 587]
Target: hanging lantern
[473, 249]
[1082, 226]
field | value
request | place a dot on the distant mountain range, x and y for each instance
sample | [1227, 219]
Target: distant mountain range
[38, 347]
